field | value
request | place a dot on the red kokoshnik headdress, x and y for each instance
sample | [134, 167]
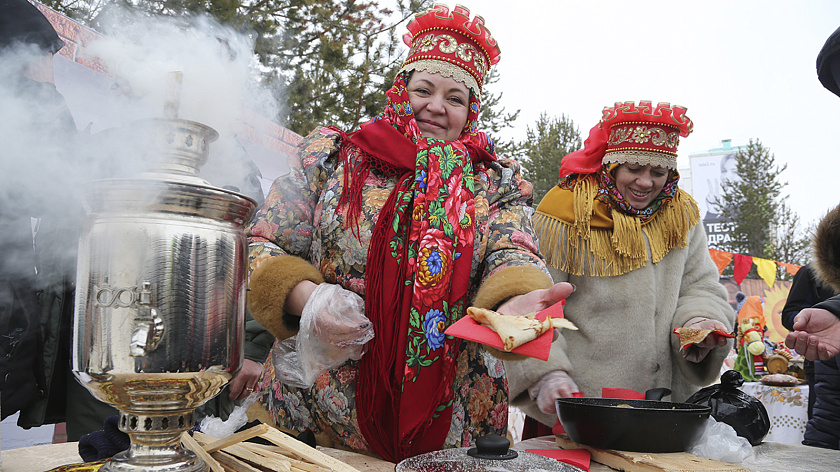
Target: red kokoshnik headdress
[634, 133]
[452, 45]
[586, 226]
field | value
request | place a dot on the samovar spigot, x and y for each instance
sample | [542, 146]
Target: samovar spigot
[148, 326]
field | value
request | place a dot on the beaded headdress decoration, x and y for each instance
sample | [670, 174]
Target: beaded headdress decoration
[452, 45]
[643, 134]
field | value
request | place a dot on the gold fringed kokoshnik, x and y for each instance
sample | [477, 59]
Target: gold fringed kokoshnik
[579, 249]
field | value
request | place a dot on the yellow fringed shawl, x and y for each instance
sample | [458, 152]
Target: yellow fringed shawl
[581, 236]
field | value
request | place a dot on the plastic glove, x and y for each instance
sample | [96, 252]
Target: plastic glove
[336, 315]
[552, 386]
[333, 330]
[697, 352]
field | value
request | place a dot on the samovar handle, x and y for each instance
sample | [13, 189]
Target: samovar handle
[148, 325]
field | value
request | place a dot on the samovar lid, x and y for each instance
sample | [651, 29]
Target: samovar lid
[173, 151]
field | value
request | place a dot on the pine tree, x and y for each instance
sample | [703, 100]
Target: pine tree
[493, 120]
[329, 61]
[546, 144]
[762, 225]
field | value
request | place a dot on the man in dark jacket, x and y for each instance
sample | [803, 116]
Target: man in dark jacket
[820, 321]
[817, 330]
[806, 291]
[40, 223]
[29, 102]
[37, 260]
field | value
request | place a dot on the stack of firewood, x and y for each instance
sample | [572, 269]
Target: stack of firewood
[287, 455]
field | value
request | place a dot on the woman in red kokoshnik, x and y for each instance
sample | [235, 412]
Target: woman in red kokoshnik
[619, 228]
[415, 213]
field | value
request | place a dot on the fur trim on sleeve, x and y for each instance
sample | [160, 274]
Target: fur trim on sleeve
[270, 284]
[509, 282]
[506, 283]
[826, 248]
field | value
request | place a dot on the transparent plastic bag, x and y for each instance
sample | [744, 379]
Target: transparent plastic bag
[238, 418]
[333, 330]
[720, 442]
[287, 366]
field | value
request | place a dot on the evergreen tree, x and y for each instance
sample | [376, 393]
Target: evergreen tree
[493, 120]
[762, 225]
[339, 56]
[329, 61]
[546, 144]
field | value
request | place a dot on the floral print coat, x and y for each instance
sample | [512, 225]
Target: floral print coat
[301, 217]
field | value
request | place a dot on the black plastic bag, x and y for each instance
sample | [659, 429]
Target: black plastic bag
[745, 413]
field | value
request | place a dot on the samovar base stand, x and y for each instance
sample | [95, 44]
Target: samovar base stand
[156, 444]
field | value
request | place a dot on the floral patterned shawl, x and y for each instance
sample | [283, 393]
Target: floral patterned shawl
[417, 276]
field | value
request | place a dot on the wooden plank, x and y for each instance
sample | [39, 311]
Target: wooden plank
[361, 461]
[301, 466]
[276, 462]
[651, 462]
[237, 438]
[307, 453]
[275, 451]
[232, 464]
[195, 447]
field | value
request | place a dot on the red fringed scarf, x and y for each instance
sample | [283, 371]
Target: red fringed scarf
[417, 275]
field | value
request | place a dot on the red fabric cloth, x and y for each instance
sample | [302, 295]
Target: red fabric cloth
[742, 267]
[532, 428]
[589, 159]
[580, 458]
[625, 393]
[404, 387]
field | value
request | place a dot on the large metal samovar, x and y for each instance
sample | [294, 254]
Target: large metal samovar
[160, 297]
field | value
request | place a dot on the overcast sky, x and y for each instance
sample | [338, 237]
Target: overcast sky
[743, 68]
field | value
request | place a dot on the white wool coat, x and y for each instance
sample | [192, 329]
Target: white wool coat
[626, 323]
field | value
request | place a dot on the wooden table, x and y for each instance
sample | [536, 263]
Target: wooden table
[767, 457]
[49, 456]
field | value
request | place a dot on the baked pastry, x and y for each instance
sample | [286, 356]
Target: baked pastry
[689, 336]
[779, 379]
[515, 331]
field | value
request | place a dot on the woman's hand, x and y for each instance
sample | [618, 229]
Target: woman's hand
[245, 381]
[298, 297]
[537, 300]
[697, 352]
[335, 315]
[553, 385]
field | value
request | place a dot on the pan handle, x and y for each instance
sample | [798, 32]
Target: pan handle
[657, 393]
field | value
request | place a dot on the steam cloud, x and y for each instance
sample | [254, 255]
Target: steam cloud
[44, 166]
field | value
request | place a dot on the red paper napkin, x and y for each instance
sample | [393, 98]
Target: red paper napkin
[467, 328]
[574, 457]
[558, 429]
[624, 393]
